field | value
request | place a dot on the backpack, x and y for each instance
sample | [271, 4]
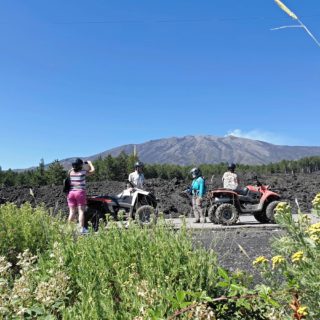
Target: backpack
[205, 184]
[66, 185]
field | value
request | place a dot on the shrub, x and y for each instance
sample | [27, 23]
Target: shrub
[29, 228]
[49, 271]
[293, 273]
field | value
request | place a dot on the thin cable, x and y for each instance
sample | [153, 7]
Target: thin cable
[129, 21]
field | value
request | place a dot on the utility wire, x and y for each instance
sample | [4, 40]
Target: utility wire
[164, 20]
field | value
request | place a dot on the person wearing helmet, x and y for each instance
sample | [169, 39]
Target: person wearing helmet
[136, 178]
[198, 190]
[77, 197]
[230, 178]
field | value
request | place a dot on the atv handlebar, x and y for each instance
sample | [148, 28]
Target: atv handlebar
[259, 184]
[130, 183]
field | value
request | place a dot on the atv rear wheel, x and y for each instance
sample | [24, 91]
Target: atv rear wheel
[212, 213]
[261, 217]
[146, 215]
[227, 214]
[270, 210]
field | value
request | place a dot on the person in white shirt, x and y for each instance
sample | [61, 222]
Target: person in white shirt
[137, 177]
[230, 178]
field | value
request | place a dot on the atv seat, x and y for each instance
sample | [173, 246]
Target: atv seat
[242, 192]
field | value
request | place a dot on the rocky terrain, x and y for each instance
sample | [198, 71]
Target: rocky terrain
[172, 201]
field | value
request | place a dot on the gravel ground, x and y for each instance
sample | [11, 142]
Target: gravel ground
[237, 248]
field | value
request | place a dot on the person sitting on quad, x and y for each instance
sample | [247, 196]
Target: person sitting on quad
[198, 190]
[136, 178]
[77, 198]
[230, 178]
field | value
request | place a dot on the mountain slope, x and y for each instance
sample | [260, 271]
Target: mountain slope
[210, 149]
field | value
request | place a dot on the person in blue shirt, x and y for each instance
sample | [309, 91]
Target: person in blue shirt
[198, 190]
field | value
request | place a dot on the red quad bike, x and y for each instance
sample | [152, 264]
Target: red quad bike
[137, 204]
[225, 205]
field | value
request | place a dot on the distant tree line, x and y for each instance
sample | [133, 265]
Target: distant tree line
[118, 168]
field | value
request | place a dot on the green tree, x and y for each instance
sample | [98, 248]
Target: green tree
[10, 178]
[1, 176]
[110, 167]
[121, 165]
[39, 176]
[55, 173]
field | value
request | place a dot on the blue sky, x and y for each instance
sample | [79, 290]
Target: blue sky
[79, 77]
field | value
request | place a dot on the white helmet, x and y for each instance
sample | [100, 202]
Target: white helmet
[195, 172]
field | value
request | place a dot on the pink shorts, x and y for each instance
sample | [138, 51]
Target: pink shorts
[77, 198]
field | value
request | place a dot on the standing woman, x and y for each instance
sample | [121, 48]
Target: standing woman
[198, 189]
[77, 196]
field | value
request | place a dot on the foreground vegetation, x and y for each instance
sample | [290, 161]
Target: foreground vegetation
[48, 271]
[118, 168]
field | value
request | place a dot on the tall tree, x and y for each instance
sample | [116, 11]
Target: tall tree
[55, 173]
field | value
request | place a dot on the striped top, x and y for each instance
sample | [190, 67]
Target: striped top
[78, 180]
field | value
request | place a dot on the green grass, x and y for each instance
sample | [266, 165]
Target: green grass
[49, 271]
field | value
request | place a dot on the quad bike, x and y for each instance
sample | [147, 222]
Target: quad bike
[225, 205]
[138, 204]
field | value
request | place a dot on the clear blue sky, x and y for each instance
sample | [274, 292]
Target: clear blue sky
[79, 77]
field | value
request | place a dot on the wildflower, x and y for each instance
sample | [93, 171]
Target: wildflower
[314, 232]
[21, 290]
[315, 238]
[4, 265]
[282, 207]
[304, 219]
[277, 260]
[260, 260]
[298, 256]
[54, 290]
[316, 202]
[314, 229]
[26, 261]
[302, 311]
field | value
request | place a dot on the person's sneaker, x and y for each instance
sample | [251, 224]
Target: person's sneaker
[83, 230]
[203, 220]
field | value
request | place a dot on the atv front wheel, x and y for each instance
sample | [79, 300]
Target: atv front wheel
[271, 210]
[261, 217]
[227, 214]
[146, 215]
[213, 214]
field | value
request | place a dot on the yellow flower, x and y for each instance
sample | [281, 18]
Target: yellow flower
[316, 202]
[276, 260]
[260, 260]
[282, 207]
[315, 238]
[314, 229]
[302, 311]
[298, 256]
